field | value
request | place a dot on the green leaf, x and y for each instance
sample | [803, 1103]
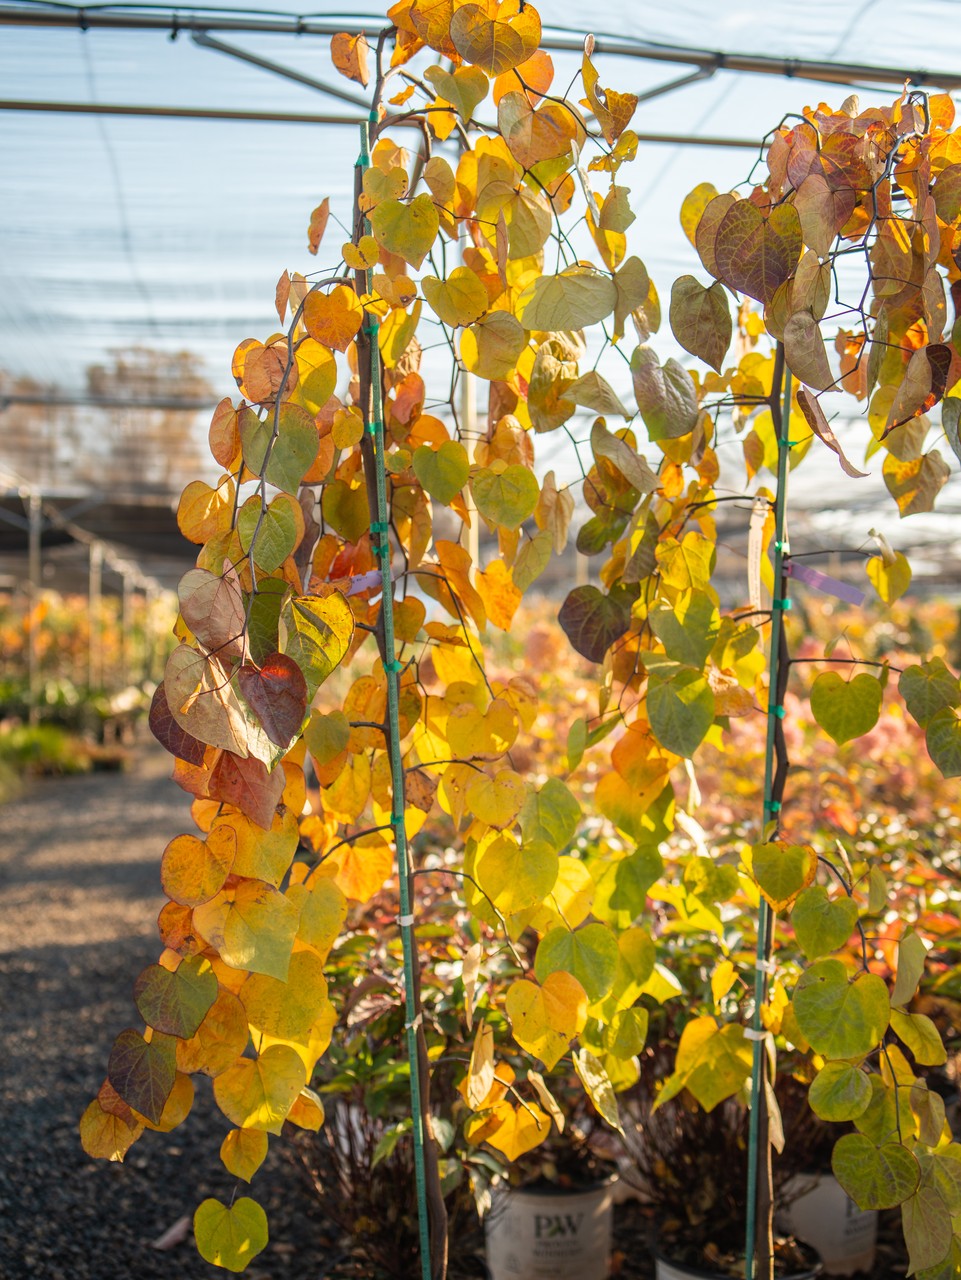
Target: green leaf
[276, 538]
[606, 527]
[294, 448]
[491, 347]
[724, 1065]
[804, 351]
[292, 451]
[576, 299]
[318, 632]
[442, 472]
[327, 735]
[701, 320]
[680, 707]
[879, 348]
[576, 743]
[875, 1177]
[912, 954]
[943, 738]
[877, 891]
[666, 395]
[622, 887]
[389, 1140]
[532, 559]
[143, 1072]
[712, 1063]
[262, 625]
[919, 1033]
[686, 565]
[598, 1087]
[927, 1107]
[593, 392]
[505, 497]
[840, 1091]
[820, 924]
[593, 621]
[515, 876]
[688, 630]
[782, 871]
[590, 954]
[626, 1033]
[407, 230]
[929, 687]
[944, 1173]
[460, 299]
[841, 1017]
[886, 1116]
[230, 1236]
[464, 88]
[928, 1230]
[177, 1002]
[846, 709]
[346, 509]
[550, 814]
[949, 1268]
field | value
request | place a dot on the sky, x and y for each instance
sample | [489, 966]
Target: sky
[172, 234]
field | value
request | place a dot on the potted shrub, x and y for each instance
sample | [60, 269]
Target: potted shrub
[551, 1210]
[692, 1169]
[360, 1163]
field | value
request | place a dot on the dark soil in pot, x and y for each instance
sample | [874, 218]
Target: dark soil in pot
[792, 1259]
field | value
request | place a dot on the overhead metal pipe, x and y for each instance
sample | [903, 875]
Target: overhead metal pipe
[204, 41]
[175, 113]
[172, 22]
[279, 117]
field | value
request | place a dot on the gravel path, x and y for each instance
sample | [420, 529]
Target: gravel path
[79, 897]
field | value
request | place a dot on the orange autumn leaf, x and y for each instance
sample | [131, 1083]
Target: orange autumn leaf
[334, 318]
[318, 225]
[349, 55]
[362, 868]
[501, 598]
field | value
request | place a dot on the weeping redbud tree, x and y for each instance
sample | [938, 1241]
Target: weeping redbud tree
[380, 512]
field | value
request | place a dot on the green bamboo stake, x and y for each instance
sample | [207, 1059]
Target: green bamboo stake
[765, 930]
[379, 530]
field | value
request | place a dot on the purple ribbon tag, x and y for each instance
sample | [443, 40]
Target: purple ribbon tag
[363, 581]
[823, 582]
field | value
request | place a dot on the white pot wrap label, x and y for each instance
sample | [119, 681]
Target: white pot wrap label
[550, 1236]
